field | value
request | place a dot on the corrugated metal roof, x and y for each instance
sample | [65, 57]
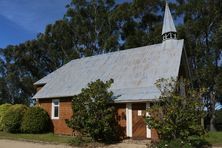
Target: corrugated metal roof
[134, 72]
[168, 24]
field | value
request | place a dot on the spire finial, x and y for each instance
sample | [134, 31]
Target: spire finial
[169, 30]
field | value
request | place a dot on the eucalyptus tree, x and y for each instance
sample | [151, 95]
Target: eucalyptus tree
[201, 23]
[88, 28]
[139, 22]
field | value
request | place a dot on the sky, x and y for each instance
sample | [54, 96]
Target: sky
[22, 20]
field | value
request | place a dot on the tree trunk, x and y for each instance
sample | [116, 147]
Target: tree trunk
[212, 128]
[212, 111]
[202, 122]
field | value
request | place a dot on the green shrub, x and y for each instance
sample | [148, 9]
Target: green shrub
[94, 112]
[35, 120]
[12, 119]
[177, 116]
[3, 109]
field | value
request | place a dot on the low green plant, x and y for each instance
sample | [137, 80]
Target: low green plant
[35, 120]
[79, 141]
[176, 143]
[190, 142]
[3, 109]
[197, 141]
[12, 119]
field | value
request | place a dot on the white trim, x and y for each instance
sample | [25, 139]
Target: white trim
[129, 119]
[148, 130]
[52, 108]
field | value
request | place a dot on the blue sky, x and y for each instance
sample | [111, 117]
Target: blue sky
[21, 20]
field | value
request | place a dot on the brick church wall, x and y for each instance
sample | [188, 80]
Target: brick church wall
[59, 125]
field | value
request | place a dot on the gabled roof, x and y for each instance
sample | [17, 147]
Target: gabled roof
[168, 24]
[134, 72]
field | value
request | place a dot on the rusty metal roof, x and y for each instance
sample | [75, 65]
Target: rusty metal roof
[134, 72]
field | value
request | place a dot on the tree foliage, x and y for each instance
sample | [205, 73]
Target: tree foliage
[201, 29]
[175, 116]
[88, 28]
[94, 113]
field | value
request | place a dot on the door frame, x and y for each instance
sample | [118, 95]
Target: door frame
[129, 121]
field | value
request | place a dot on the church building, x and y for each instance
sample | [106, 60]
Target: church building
[134, 72]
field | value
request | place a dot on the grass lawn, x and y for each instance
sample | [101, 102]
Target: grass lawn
[48, 137]
[215, 138]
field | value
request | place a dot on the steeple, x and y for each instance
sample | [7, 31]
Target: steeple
[169, 30]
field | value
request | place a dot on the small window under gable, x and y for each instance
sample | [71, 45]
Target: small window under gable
[55, 109]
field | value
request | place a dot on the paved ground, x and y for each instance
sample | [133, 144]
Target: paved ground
[125, 145]
[22, 144]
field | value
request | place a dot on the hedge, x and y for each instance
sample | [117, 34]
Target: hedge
[35, 120]
[12, 119]
[3, 109]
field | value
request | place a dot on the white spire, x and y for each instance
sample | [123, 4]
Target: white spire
[168, 24]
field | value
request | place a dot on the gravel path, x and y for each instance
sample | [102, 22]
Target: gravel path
[125, 145]
[23, 144]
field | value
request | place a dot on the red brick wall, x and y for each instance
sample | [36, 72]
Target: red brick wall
[65, 112]
[59, 126]
[121, 119]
